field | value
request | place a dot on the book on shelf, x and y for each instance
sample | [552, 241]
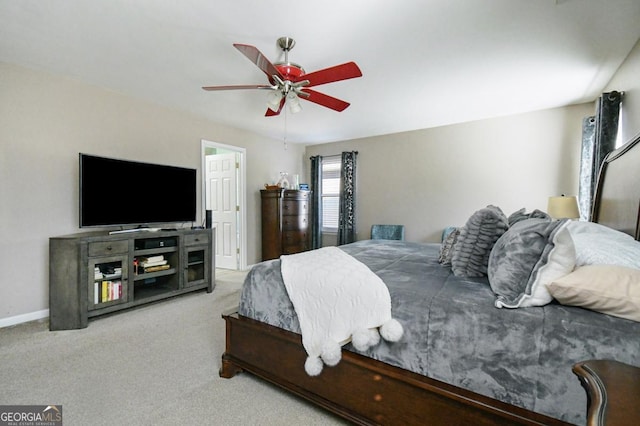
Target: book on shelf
[152, 258]
[143, 265]
[156, 263]
[107, 291]
[156, 268]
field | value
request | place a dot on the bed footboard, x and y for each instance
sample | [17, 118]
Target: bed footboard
[359, 389]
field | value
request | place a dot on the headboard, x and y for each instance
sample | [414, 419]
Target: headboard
[617, 197]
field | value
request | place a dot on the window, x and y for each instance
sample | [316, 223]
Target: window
[330, 193]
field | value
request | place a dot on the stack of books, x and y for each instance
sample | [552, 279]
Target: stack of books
[107, 291]
[151, 264]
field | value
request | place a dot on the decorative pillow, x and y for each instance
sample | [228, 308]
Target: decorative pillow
[471, 251]
[446, 249]
[612, 290]
[446, 231]
[532, 253]
[600, 245]
[521, 214]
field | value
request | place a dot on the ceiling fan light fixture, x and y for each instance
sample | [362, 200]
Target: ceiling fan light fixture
[273, 101]
[294, 103]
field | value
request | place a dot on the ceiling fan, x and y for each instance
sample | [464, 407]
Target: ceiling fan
[289, 82]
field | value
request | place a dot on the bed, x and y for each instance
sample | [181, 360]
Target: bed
[461, 360]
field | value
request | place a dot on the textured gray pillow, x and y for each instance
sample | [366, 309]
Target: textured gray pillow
[477, 237]
[521, 214]
[446, 249]
[532, 253]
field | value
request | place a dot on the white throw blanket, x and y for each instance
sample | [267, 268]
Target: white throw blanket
[337, 299]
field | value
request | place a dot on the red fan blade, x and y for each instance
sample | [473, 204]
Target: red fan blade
[250, 86]
[329, 75]
[259, 59]
[271, 113]
[325, 100]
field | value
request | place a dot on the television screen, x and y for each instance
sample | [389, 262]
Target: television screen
[119, 192]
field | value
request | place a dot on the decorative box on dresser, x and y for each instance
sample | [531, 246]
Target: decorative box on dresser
[285, 222]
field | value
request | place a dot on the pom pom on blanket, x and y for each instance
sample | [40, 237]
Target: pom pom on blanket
[364, 339]
[392, 330]
[331, 353]
[313, 366]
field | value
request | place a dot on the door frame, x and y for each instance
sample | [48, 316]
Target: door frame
[241, 191]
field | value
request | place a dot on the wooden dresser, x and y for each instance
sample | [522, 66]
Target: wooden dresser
[285, 222]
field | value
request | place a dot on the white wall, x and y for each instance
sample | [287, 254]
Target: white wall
[433, 178]
[627, 80]
[46, 120]
[426, 179]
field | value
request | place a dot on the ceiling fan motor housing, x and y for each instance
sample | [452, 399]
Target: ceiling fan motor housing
[289, 71]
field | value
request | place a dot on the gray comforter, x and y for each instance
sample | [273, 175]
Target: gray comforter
[453, 332]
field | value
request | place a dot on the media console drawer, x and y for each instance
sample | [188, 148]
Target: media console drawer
[196, 239]
[106, 248]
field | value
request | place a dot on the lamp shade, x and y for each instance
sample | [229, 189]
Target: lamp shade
[563, 207]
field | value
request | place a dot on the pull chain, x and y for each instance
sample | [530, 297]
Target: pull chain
[285, 129]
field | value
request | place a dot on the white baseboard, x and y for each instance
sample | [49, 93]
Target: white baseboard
[19, 319]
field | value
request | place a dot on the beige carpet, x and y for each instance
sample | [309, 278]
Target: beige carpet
[154, 365]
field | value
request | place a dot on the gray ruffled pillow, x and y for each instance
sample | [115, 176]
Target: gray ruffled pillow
[521, 214]
[472, 249]
[530, 255]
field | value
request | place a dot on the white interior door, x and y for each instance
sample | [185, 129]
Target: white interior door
[222, 199]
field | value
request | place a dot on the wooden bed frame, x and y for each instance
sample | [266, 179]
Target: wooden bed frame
[366, 391]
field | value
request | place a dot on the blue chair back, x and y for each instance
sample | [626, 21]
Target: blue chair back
[387, 232]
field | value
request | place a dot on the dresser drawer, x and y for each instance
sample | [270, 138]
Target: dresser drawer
[295, 207]
[297, 195]
[196, 239]
[295, 248]
[107, 248]
[295, 223]
[294, 237]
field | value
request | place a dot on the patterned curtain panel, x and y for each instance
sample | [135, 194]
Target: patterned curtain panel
[598, 139]
[347, 217]
[316, 202]
[586, 167]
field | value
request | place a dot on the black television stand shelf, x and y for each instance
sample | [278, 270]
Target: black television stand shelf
[96, 273]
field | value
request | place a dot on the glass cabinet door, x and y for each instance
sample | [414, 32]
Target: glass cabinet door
[108, 282]
[196, 268]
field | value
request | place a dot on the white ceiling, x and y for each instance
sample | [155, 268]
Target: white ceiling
[425, 63]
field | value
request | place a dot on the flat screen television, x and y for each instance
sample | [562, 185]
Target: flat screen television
[119, 193]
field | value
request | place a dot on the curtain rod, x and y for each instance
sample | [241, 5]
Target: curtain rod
[334, 155]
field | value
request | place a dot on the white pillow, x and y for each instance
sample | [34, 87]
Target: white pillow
[613, 290]
[597, 244]
[561, 261]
